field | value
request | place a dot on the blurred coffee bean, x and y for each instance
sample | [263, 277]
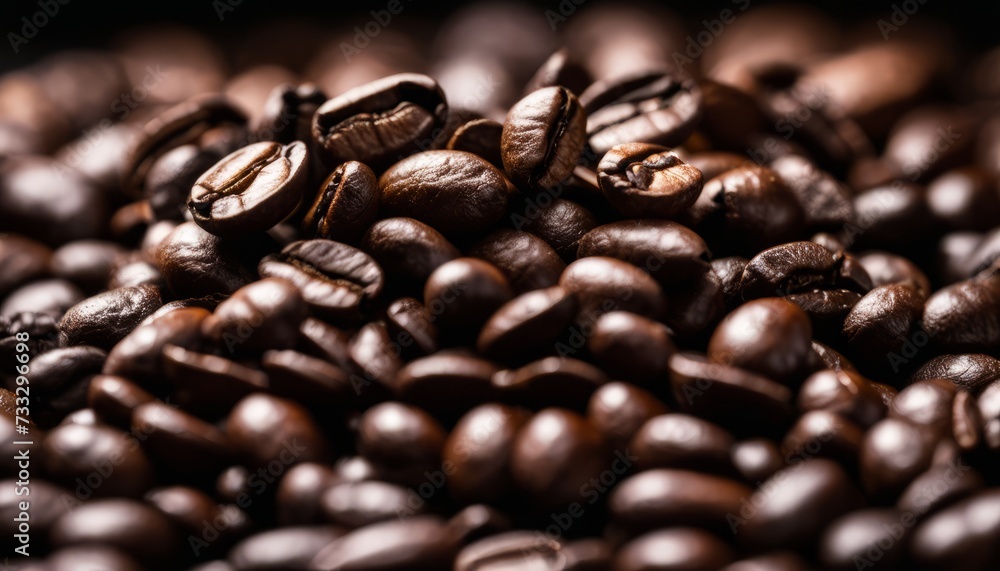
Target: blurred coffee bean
[526, 260]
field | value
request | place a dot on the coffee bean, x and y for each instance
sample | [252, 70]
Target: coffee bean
[885, 268]
[825, 201]
[605, 284]
[78, 456]
[964, 198]
[926, 403]
[105, 319]
[651, 107]
[168, 182]
[843, 392]
[788, 268]
[357, 504]
[345, 205]
[480, 137]
[648, 180]
[86, 263]
[543, 136]
[670, 252]
[189, 509]
[893, 453]
[527, 323]
[288, 112]
[446, 382]
[133, 527]
[60, 378]
[380, 122]
[882, 321]
[824, 434]
[114, 398]
[618, 410]
[180, 441]
[853, 537]
[47, 505]
[263, 315]
[336, 280]
[139, 354]
[773, 561]
[561, 68]
[730, 272]
[401, 441]
[957, 536]
[50, 297]
[675, 440]
[515, 551]
[827, 310]
[298, 490]
[407, 249]
[463, 293]
[973, 371]
[208, 382]
[479, 450]
[555, 454]
[412, 326]
[989, 415]
[925, 495]
[562, 224]
[679, 547]
[756, 459]
[526, 260]
[476, 522]
[892, 214]
[965, 317]
[453, 191]
[630, 347]
[413, 544]
[265, 429]
[696, 305]
[285, 548]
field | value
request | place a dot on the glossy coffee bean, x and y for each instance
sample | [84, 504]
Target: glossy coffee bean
[788, 268]
[675, 440]
[618, 410]
[130, 526]
[336, 280]
[562, 224]
[670, 252]
[412, 544]
[51, 297]
[882, 321]
[284, 548]
[885, 268]
[412, 326]
[642, 180]
[768, 336]
[345, 205]
[22, 260]
[526, 323]
[79, 456]
[543, 136]
[893, 214]
[197, 264]
[926, 403]
[189, 509]
[105, 319]
[298, 491]
[140, 353]
[893, 453]
[823, 434]
[266, 429]
[756, 459]
[988, 405]
[446, 382]
[480, 137]
[452, 191]
[555, 455]
[605, 284]
[842, 392]
[730, 272]
[206, 382]
[288, 113]
[858, 536]
[964, 198]
[630, 346]
[514, 550]
[479, 452]
[60, 378]
[825, 201]
[263, 315]
[965, 317]
[401, 441]
[940, 486]
[464, 292]
[380, 122]
[648, 107]
[357, 504]
[526, 260]
[674, 548]
[47, 505]
[407, 249]
[86, 263]
[168, 183]
[178, 439]
[827, 310]
[961, 535]
[114, 398]
[478, 521]
[971, 371]
[551, 381]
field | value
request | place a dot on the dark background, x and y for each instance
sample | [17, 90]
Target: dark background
[90, 23]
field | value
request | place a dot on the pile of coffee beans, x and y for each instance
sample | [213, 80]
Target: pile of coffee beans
[500, 297]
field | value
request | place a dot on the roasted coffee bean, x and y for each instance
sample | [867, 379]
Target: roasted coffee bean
[189, 509]
[380, 122]
[927, 404]
[675, 440]
[552, 381]
[401, 441]
[298, 490]
[288, 112]
[768, 336]
[128, 525]
[72, 453]
[411, 544]
[964, 198]
[407, 249]
[208, 382]
[882, 322]
[893, 453]
[527, 323]
[843, 392]
[463, 293]
[559, 69]
[446, 382]
[357, 504]
[788, 268]
[336, 280]
[375, 355]
[618, 410]
[114, 398]
[827, 310]
[972, 372]
[284, 548]
[197, 264]
[250, 190]
[543, 137]
[140, 354]
[960, 536]
[664, 497]
[892, 214]
[925, 495]
[105, 319]
[311, 381]
[670, 252]
[989, 415]
[480, 137]
[345, 205]
[514, 550]
[50, 297]
[836, 437]
[825, 201]
[180, 441]
[479, 452]
[453, 191]
[885, 268]
[657, 108]
[130, 271]
[730, 272]
[648, 180]
[478, 521]
[526, 260]
[562, 224]
[849, 539]
[605, 284]
[86, 263]
[756, 459]
[168, 183]
[264, 429]
[721, 393]
[411, 325]
[696, 305]
[713, 163]
[262, 315]
[805, 499]
[679, 548]
[965, 317]
[555, 455]
[60, 378]
[630, 346]
[832, 359]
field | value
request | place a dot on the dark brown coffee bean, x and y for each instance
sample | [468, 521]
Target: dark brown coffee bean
[513, 551]
[283, 548]
[480, 137]
[401, 441]
[555, 455]
[562, 224]
[560, 69]
[678, 548]
[413, 544]
[825, 201]
[179, 440]
[552, 381]
[832, 359]
[605, 284]
[130, 271]
[926, 494]
[380, 122]
[882, 321]
[526, 323]
[670, 252]
[928, 404]
[965, 317]
[311, 381]
[336, 280]
[730, 272]
[713, 163]
[768, 336]
[642, 180]
[827, 310]
[408, 249]
[47, 504]
[60, 378]
[843, 392]
[675, 440]
[140, 354]
[651, 107]
[86, 263]
[803, 500]
[788, 268]
[105, 319]
[893, 453]
[885, 268]
[189, 509]
[630, 347]
[446, 382]
[756, 459]
[960, 536]
[357, 504]
[892, 215]
[964, 198]
[973, 372]
[543, 137]
[696, 306]
[988, 405]
[114, 398]
[209, 383]
[288, 112]
[345, 205]
[130, 526]
[618, 410]
[197, 264]
[463, 293]
[479, 452]
[663, 497]
[773, 561]
[526, 260]
[478, 521]
[50, 297]
[168, 182]
[412, 326]
[263, 315]
[78, 456]
[265, 429]
[823, 434]
[855, 537]
[298, 491]
[453, 191]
